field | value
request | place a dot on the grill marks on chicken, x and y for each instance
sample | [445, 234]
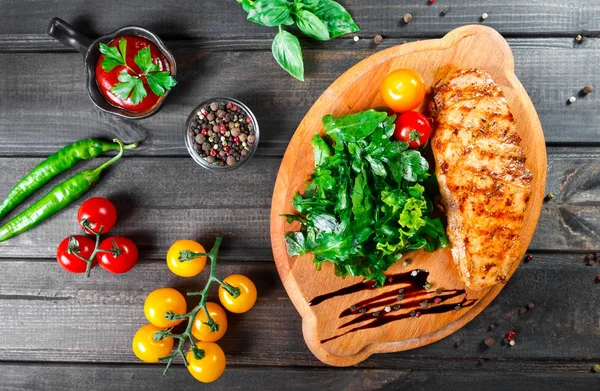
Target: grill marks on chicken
[484, 183]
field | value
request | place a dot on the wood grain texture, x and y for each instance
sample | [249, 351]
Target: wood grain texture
[237, 204]
[189, 18]
[343, 341]
[49, 315]
[58, 377]
[45, 105]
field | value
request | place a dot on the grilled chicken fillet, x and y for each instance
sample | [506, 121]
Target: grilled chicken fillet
[484, 183]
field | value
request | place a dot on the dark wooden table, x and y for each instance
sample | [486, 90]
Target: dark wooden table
[60, 331]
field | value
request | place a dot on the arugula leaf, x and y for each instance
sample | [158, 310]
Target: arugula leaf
[334, 15]
[352, 127]
[160, 82]
[414, 166]
[311, 25]
[321, 150]
[129, 85]
[143, 59]
[112, 56]
[288, 54]
[270, 13]
[295, 243]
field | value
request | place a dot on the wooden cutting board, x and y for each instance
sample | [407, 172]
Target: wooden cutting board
[334, 328]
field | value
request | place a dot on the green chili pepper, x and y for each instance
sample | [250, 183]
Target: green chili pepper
[57, 199]
[55, 164]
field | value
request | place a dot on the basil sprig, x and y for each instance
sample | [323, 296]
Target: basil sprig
[318, 19]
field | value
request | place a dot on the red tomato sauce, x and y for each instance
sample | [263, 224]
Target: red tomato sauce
[106, 80]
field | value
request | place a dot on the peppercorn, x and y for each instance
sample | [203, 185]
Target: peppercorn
[399, 297]
[413, 313]
[492, 326]
[363, 310]
[512, 343]
[444, 12]
[484, 16]
[530, 306]
[417, 314]
[200, 139]
[458, 307]
[210, 117]
[407, 18]
[438, 291]
[424, 304]
[522, 310]
[489, 341]
[376, 314]
[377, 39]
[548, 197]
[587, 90]
[528, 258]
[437, 300]
[397, 307]
[401, 290]
[251, 139]
[571, 100]
[427, 286]
[579, 38]
[387, 309]
[596, 368]
[230, 160]
[352, 308]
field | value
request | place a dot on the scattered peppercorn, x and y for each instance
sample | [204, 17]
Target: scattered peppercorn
[484, 16]
[376, 314]
[444, 12]
[522, 310]
[222, 133]
[387, 309]
[587, 90]
[548, 197]
[390, 279]
[424, 304]
[363, 310]
[590, 259]
[579, 38]
[596, 368]
[572, 100]
[427, 286]
[438, 291]
[511, 335]
[437, 300]
[413, 313]
[399, 297]
[530, 306]
[528, 258]
[492, 326]
[352, 308]
[356, 38]
[397, 307]
[512, 343]
[417, 314]
[405, 263]
[401, 290]
[407, 18]
[457, 343]
[489, 341]
[377, 39]
[458, 307]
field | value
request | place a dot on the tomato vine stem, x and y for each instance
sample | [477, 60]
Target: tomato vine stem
[186, 335]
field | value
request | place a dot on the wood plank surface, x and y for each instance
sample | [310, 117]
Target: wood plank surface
[45, 105]
[49, 315]
[58, 377]
[190, 18]
[161, 200]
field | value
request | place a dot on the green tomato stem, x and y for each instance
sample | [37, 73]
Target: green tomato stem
[186, 335]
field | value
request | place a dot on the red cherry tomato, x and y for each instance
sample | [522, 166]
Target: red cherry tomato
[126, 258]
[413, 128]
[84, 246]
[99, 212]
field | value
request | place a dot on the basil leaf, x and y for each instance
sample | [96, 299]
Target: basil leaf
[270, 13]
[112, 56]
[246, 5]
[288, 54]
[414, 166]
[129, 85]
[295, 243]
[144, 60]
[310, 25]
[160, 82]
[334, 15]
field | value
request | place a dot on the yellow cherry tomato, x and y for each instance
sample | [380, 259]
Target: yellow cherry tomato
[211, 366]
[161, 301]
[146, 348]
[201, 330]
[403, 90]
[247, 296]
[188, 268]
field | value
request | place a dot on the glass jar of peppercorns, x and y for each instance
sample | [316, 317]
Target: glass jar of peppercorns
[221, 134]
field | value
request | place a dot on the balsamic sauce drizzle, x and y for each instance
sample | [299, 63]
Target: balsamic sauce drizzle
[412, 286]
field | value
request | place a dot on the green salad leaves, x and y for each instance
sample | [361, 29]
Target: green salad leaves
[365, 204]
[319, 19]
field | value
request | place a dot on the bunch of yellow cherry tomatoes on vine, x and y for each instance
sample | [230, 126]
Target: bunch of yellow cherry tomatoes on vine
[166, 310]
